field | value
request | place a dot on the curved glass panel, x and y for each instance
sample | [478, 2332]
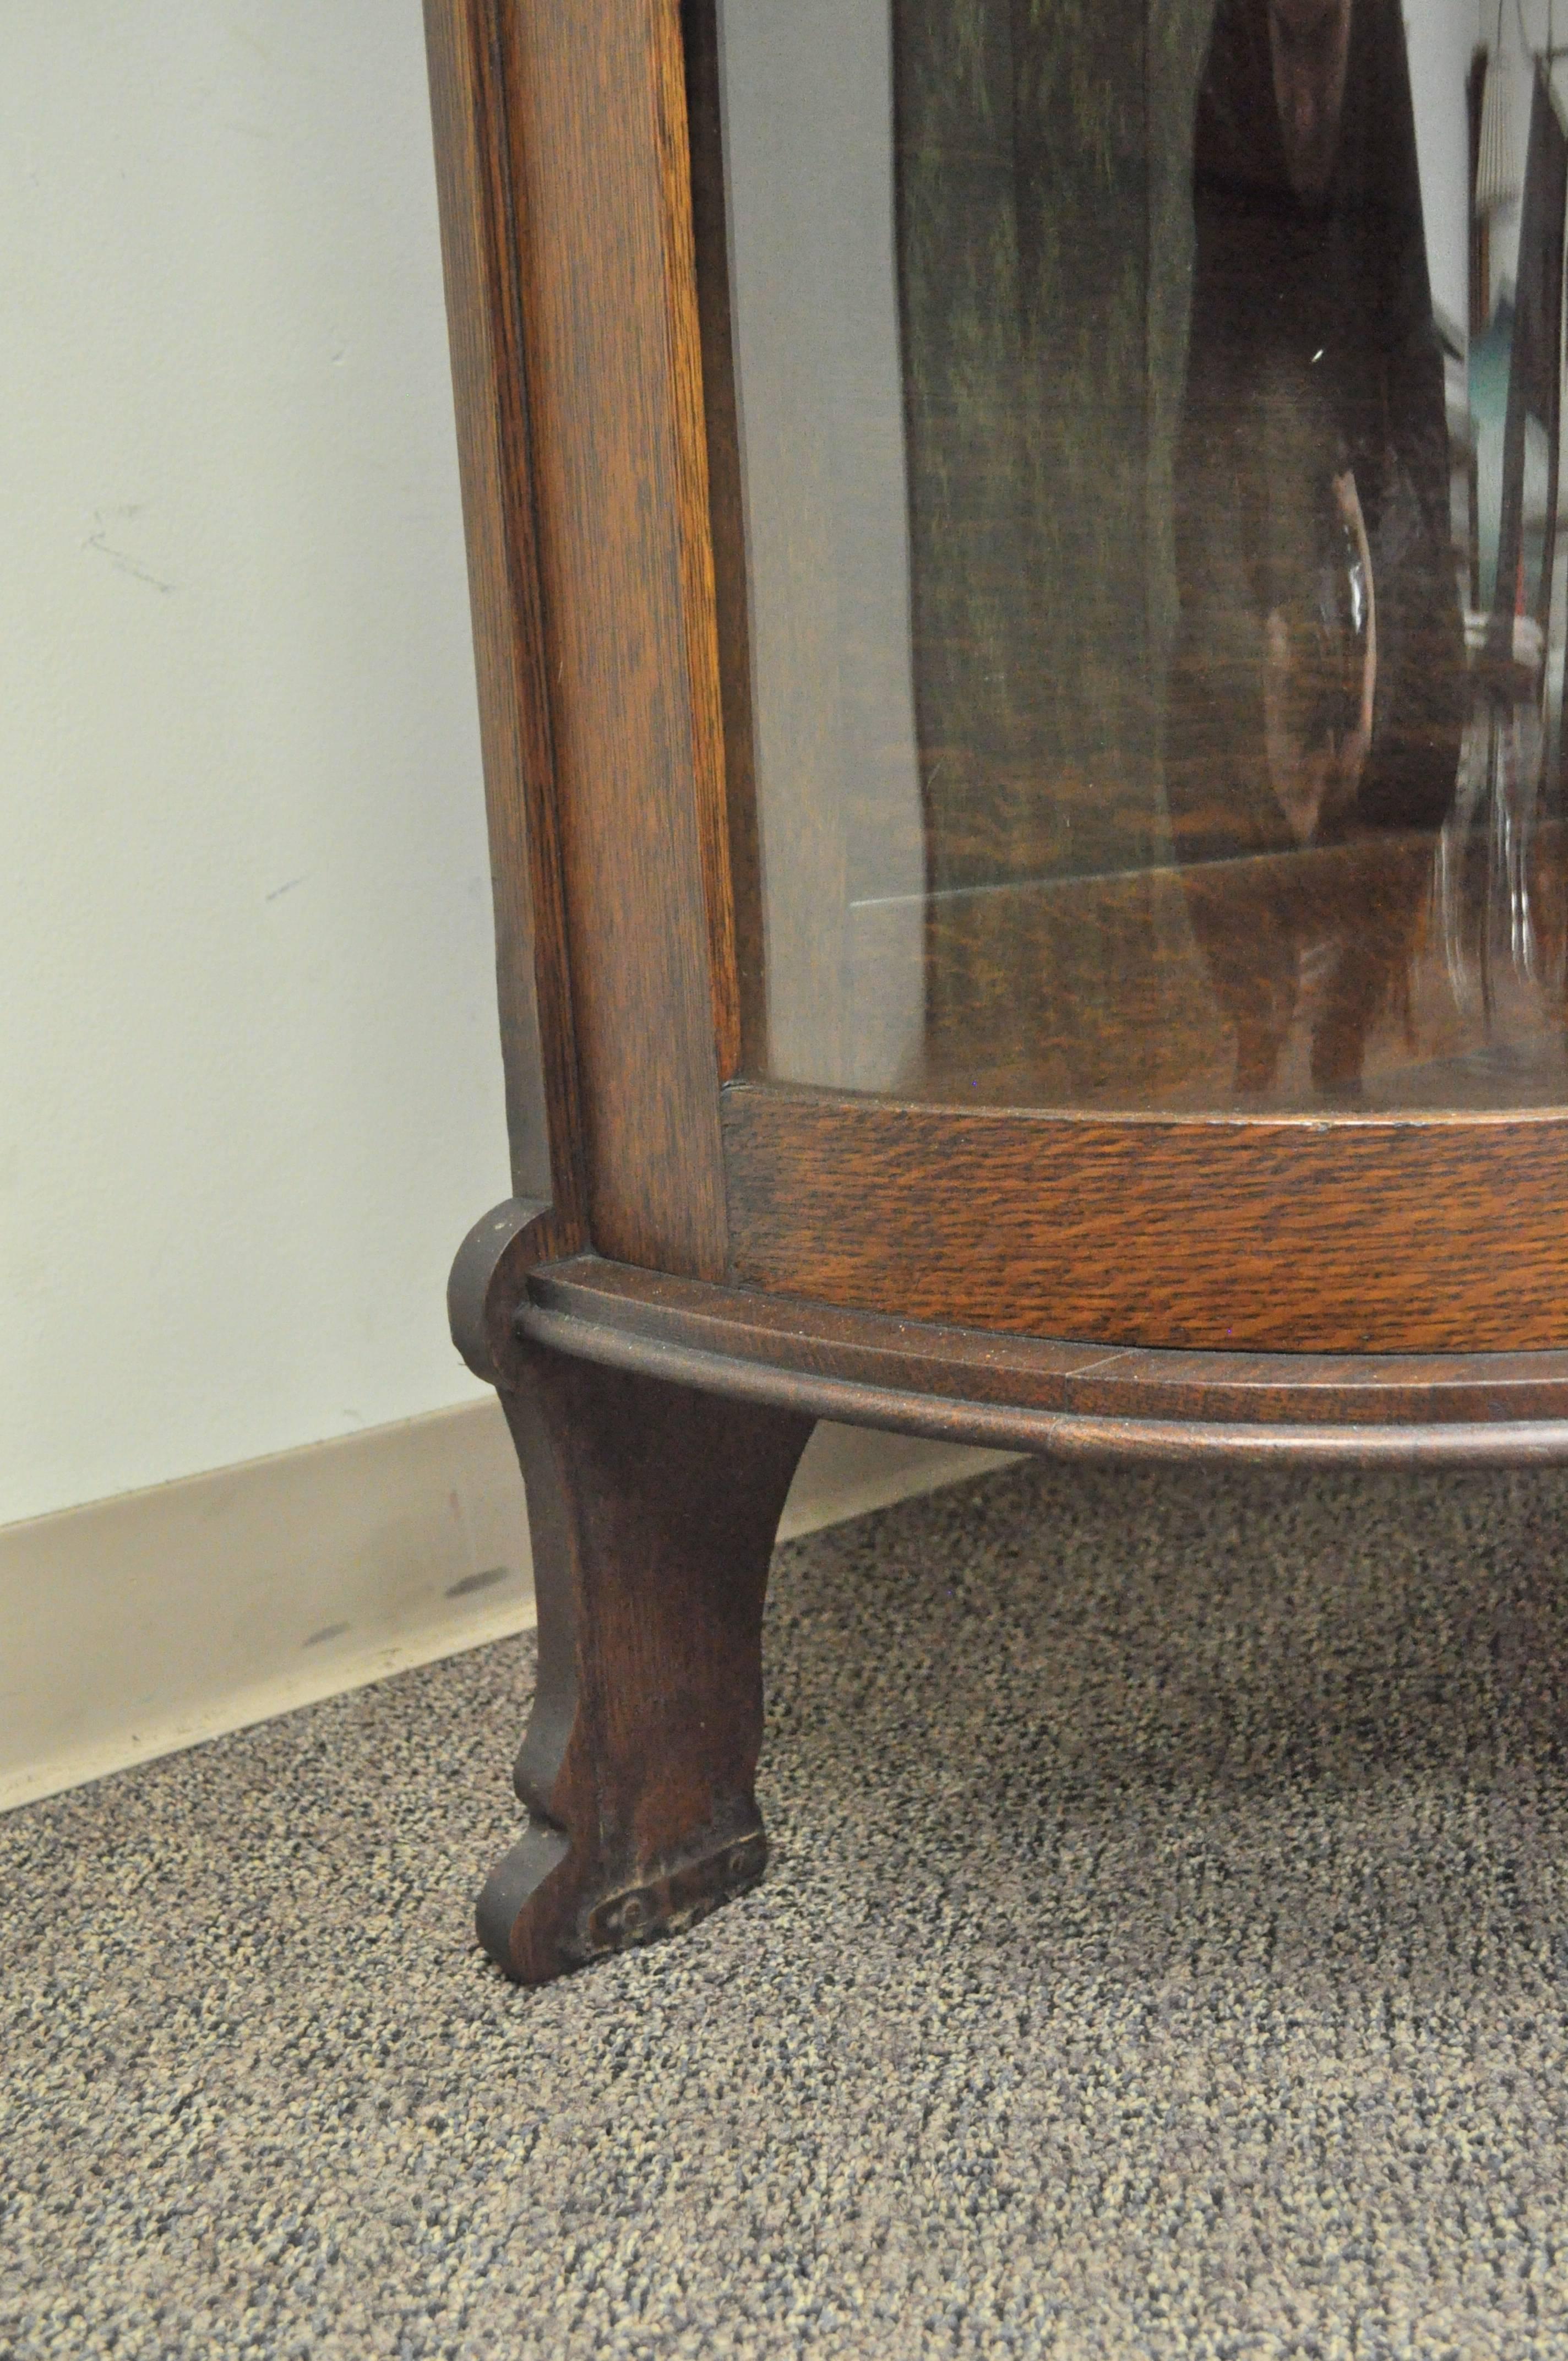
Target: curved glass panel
[1135, 431]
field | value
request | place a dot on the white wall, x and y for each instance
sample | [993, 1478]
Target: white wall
[249, 1082]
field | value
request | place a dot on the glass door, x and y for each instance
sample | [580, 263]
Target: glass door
[1142, 617]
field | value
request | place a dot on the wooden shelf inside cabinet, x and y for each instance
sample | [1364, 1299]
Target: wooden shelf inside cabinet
[983, 948]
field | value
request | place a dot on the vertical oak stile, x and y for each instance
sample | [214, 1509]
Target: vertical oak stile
[727, 527]
[478, 237]
[698, 575]
[595, 114]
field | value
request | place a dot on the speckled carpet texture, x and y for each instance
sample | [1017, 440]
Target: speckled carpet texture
[1166, 1952]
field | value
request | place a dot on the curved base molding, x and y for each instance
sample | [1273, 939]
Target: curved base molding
[1020, 1393]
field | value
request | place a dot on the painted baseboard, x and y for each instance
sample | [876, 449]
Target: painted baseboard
[137, 1626]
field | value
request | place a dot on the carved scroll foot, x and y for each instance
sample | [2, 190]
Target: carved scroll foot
[653, 1511]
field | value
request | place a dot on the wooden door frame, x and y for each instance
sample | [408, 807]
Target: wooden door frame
[566, 204]
[577, 340]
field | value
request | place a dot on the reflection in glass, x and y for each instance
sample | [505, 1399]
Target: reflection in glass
[1318, 688]
[1147, 627]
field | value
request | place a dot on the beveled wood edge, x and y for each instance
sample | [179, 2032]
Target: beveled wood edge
[1067, 1435]
[625, 1318]
[694, 516]
[742, 1025]
[481, 267]
[753, 1090]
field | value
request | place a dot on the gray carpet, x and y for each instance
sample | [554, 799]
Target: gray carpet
[1166, 1953]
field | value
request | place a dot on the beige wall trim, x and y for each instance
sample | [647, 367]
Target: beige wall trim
[140, 1625]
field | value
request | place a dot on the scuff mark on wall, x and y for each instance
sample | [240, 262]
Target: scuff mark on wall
[122, 559]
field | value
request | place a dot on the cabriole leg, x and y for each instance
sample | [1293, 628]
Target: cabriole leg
[653, 1511]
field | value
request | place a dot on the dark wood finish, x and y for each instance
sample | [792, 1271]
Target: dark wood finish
[653, 1511]
[478, 236]
[699, 26]
[578, 118]
[488, 1286]
[1045, 1372]
[1338, 1235]
[766, 1255]
[1034, 1394]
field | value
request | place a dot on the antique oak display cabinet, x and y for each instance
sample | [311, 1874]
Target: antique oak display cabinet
[1028, 879]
